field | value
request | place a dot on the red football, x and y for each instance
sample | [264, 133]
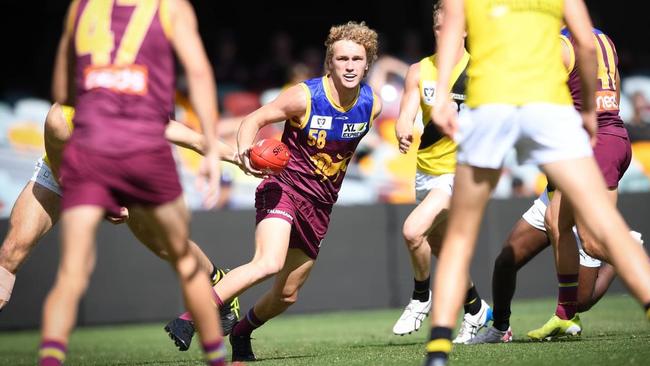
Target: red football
[269, 156]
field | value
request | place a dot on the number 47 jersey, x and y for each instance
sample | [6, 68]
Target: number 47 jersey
[124, 74]
[323, 142]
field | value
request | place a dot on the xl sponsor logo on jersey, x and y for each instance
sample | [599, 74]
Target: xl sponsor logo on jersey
[352, 130]
[321, 122]
[428, 91]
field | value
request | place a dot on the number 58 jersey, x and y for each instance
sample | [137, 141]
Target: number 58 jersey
[124, 73]
[323, 142]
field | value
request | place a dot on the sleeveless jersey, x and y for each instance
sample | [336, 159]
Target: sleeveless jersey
[323, 142]
[124, 74]
[516, 58]
[607, 109]
[437, 152]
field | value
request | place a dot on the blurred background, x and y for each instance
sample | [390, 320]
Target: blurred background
[256, 49]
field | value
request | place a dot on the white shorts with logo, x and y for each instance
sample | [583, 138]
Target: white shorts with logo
[43, 176]
[535, 217]
[424, 183]
[540, 132]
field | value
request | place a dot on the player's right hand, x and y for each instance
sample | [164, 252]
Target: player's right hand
[404, 137]
[445, 118]
[247, 166]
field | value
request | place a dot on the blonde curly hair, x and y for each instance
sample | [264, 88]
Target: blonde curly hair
[358, 33]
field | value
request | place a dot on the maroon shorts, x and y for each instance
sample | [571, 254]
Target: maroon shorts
[309, 221]
[148, 178]
[613, 154]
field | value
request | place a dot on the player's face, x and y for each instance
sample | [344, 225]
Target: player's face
[348, 64]
[438, 24]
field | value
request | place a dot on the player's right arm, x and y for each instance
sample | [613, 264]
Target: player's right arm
[443, 114]
[408, 108]
[187, 44]
[62, 76]
[290, 104]
[579, 24]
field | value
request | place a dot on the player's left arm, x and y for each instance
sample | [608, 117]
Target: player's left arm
[183, 136]
[62, 81]
[451, 36]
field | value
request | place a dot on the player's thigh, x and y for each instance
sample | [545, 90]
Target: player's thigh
[34, 213]
[293, 275]
[169, 223]
[427, 213]
[272, 236]
[144, 233]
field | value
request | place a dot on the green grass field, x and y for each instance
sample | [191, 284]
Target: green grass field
[615, 334]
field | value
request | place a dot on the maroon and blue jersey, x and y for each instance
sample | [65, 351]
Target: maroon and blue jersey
[607, 109]
[323, 142]
[124, 74]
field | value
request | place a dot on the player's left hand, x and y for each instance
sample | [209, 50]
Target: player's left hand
[247, 166]
[445, 117]
[209, 179]
[116, 220]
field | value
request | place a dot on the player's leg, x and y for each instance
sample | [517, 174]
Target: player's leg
[274, 302]
[148, 238]
[560, 222]
[473, 187]
[34, 213]
[77, 262]
[271, 245]
[524, 242]
[426, 215]
[583, 185]
[596, 282]
[477, 312]
[170, 223]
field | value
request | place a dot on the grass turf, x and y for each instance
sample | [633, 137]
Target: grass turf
[615, 334]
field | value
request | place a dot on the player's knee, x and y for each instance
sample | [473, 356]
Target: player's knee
[267, 267]
[75, 283]
[187, 266]
[412, 237]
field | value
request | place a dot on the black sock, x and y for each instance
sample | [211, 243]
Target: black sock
[421, 289]
[472, 301]
[439, 344]
[501, 318]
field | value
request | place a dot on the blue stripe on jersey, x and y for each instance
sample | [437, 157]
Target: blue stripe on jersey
[565, 31]
[340, 125]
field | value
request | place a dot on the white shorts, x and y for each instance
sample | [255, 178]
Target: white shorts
[43, 176]
[535, 217]
[424, 183]
[541, 133]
